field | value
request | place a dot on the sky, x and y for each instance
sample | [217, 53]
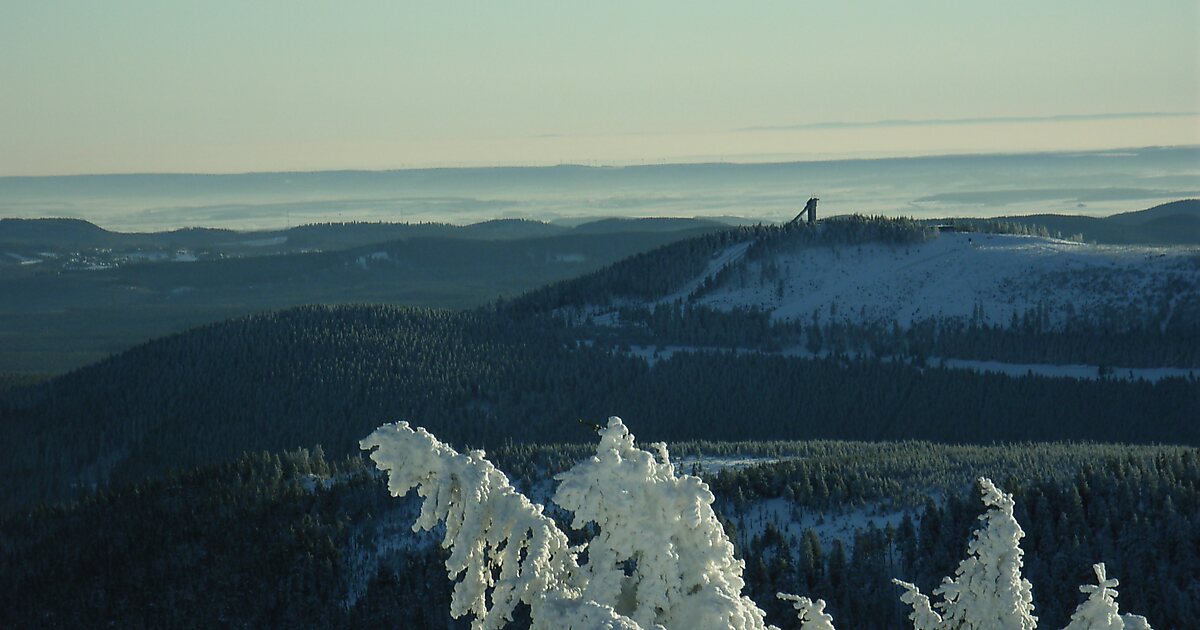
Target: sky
[235, 86]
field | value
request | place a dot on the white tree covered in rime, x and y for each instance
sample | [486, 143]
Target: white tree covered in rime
[503, 547]
[658, 556]
[505, 550]
[988, 591]
[1099, 611]
[661, 525]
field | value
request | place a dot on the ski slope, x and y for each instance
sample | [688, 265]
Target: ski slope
[993, 276]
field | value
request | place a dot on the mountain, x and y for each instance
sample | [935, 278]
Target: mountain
[861, 271]
[1174, 223]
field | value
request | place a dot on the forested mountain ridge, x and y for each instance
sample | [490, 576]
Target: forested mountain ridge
[32, 236]
[860, 271]
[328, 375]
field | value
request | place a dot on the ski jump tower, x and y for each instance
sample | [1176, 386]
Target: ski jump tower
[810, 209]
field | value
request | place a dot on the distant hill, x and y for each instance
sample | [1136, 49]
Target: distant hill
[59, 235]
[65, 312]
[55, 233]
[28, 236]
[1174, 223]
[649, 224]
[1183, 207]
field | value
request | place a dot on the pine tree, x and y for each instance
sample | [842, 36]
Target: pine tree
[1099, 611]
[987, 592]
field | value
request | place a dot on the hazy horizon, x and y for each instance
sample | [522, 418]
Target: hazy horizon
[137, 86]
[1093, 183]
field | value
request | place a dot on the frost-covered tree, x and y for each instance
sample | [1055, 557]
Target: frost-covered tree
[503, 549]
[660, 557]
[1099, 611]
[987, 592]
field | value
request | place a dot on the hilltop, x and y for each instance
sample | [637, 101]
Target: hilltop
[863, 271]
[1173, 223]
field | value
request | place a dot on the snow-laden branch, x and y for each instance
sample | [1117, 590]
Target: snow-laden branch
[811, 614]
[923, 616]
[502, 546]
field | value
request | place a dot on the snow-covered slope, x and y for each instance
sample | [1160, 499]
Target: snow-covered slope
[961, 275]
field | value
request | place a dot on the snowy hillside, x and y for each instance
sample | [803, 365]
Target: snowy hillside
[991, 276]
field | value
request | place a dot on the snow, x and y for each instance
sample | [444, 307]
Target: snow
[23, 260]
[654, 354]
[265, 242]
[365, 260]
[952, 275]
[1076, 371]
[712, 464]
[723, 259]
[147, 256]
[828, 525]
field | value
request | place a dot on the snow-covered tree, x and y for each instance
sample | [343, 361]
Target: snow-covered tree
[987, 592]
[503, 548]
[662, 528]
[660, 557]
[1099, 611]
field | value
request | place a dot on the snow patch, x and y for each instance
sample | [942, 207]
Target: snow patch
[265, 242]
[954, 275]
[365, 260]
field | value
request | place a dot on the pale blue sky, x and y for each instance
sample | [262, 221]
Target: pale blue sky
[223, 86]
